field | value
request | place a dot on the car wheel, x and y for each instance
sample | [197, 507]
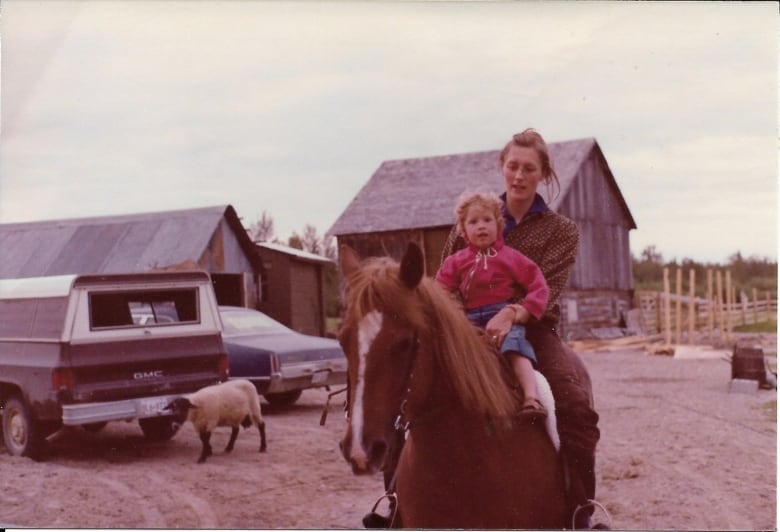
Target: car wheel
[158, 428]
[95, 427]
[283, 398]
[22, 435]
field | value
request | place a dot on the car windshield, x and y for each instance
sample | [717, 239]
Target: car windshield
[236, 323]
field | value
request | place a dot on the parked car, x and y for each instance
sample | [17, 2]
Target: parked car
[279, 361]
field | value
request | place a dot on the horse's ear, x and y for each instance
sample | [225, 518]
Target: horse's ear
[412, 265]
[349, 261]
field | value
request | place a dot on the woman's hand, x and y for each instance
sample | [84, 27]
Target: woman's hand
[498, 326]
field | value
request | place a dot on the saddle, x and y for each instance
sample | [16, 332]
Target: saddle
[545, 393]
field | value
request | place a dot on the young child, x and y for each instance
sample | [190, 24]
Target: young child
[488, 276]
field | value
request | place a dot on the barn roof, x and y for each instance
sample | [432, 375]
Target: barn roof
[293, 252]
[113, 244]
[413, 193]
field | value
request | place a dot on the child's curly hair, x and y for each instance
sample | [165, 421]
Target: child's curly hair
[489, 200]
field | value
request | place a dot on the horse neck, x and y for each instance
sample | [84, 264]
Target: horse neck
[433, 402]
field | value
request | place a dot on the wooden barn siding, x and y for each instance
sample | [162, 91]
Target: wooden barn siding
[277, 301]
[604, 257]
[234, 260]
[307, 312]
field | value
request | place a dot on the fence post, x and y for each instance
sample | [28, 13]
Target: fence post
[710, 306]
[691, 305]
[667, 309]
[719, 299]
[678, 309]
[729, 302]
[755, 305]
[768, 308]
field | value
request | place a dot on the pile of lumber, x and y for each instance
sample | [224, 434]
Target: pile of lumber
[653, 344]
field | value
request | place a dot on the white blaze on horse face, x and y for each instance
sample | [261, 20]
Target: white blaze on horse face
[368, 329]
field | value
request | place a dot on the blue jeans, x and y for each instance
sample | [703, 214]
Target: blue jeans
[515, 340]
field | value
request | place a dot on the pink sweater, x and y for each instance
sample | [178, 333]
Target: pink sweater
[499, 275]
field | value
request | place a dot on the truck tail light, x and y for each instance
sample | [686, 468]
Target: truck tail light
[62, 380]
[223, 367]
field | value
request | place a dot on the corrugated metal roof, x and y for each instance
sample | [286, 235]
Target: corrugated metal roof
[413, 193]
[111, 244]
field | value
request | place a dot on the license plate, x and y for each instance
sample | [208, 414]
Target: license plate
[320, 377]
[151, 406]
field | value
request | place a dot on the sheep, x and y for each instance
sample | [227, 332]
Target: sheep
[226, 404]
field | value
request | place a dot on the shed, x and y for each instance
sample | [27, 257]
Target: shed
[414, 199]
[295, 292]
[209, 238]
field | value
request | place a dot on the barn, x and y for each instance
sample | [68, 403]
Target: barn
[413, 200]
[208, 238]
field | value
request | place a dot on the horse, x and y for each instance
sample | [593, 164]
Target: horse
[416, 364]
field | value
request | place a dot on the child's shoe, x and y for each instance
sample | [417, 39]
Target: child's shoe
[532, 410]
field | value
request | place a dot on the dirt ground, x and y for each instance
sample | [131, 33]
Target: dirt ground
[679, 450]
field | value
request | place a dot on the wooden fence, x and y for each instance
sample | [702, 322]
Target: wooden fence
[681, 314]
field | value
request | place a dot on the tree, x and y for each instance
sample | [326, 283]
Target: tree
[311, 241]
[263, 229]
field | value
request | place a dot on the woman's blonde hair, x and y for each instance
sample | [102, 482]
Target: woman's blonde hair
[489, 200]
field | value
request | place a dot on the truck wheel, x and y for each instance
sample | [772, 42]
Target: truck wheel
[158, 428]
[283, 398]
[22, 435]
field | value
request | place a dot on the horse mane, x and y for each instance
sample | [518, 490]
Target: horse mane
[471, 367]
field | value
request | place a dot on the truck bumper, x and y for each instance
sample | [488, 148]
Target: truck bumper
[142, 407]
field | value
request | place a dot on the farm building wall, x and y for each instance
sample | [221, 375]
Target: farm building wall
[307, 312]
[293, 292]
[275, 299]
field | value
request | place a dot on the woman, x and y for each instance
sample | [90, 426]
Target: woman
[550, 240]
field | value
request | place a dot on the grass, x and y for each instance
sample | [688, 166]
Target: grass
[764, 327]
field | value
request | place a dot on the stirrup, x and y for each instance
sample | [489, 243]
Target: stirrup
[591, 503]
[393, 503]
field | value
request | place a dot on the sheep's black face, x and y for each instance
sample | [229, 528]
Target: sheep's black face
[179, 408]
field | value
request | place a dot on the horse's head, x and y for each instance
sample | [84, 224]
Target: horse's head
[379, 336]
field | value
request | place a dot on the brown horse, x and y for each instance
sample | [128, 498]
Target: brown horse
[416, 363]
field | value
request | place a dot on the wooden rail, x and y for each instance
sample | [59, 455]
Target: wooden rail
[679, 316]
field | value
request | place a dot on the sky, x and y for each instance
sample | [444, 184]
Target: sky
[288, 108]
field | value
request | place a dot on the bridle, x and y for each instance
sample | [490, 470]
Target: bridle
[402, 423]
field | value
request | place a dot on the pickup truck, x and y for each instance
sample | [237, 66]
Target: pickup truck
[74, 351]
